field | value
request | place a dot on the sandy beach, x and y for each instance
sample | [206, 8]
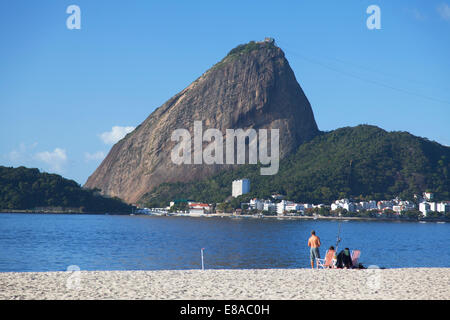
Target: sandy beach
[412, 283]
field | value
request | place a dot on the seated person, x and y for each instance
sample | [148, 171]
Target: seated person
[344, 259]
[329, 257]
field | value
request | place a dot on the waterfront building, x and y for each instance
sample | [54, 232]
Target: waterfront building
[433, 206]
[385, 204]
[424, 207]
[256, 204]
[199, 208]
[285, 206]
[344, 204]
[443, 207]
[269, 206]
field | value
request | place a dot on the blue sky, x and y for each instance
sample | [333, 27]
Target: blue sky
[67, 95]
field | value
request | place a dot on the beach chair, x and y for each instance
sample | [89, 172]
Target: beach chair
[355, 258]
[329, 260]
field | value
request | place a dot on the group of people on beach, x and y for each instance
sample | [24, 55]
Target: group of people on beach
[343, 259]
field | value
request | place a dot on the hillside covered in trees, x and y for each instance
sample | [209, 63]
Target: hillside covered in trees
[27, 189]
[361, 162]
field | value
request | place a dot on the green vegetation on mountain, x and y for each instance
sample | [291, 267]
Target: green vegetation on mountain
[243, 49]
[26, 189]
[363, 162]
[249, 47]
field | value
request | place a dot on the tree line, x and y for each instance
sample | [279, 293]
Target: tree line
[26, 189]
[363, 163]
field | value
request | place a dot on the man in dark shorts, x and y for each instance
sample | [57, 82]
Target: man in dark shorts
[314, 243]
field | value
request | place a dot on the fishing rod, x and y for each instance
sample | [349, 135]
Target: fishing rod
[338, 239]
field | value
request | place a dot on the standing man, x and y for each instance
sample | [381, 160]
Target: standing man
[314, 243]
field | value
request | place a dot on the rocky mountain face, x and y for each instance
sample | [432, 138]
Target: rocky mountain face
[252, 87]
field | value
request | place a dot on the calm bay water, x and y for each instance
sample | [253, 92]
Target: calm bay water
[44, 242]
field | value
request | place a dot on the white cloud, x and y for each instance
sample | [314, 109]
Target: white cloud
[15, 155]
[55, 159]
[97, 156]
[21, 154]
[116, 133]
[444, 11]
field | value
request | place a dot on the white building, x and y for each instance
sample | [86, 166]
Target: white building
[424, 207]
[443, 207]
[397, 209]
[256, 204]
[199, 208]
[344, 204]
[367, 205]
[385, 204]
[281, 207]
[433, 206]
[240, 187]
[403, 206]
[194, 211]
[349, 206]
[293, 207]
[334, 206]
[270, 206]
[288, 206]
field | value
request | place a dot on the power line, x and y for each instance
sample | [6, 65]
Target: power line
[385, 74]
[315, 61]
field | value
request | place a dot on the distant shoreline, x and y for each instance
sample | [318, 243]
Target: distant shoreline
[59, 212]
[233, 216]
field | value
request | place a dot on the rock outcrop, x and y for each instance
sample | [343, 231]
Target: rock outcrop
[252, 87]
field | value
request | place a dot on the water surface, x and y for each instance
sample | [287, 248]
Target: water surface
[51, 242]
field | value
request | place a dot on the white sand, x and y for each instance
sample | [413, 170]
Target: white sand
[414, 283]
